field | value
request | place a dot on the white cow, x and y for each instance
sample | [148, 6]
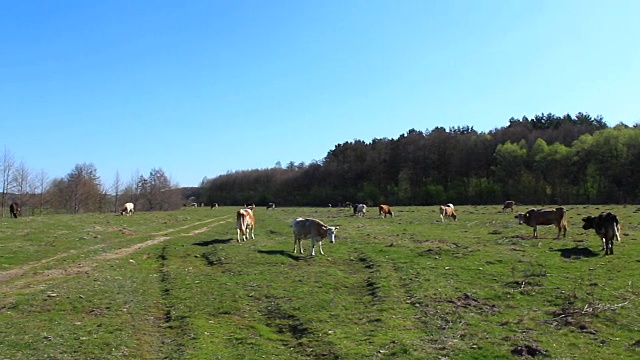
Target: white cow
[245, 223]
[361, 210]
[314, 229]
[127, 209]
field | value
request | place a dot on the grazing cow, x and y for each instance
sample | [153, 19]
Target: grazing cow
[508, 205]
[271, 206]
[14, 209]
[450, 205]
[384, 210]
[535, 217]
[448, 211]
[348, 204]
[127, 209]
[194, 204]
[314, 229]
[250, 206]
[214, 205]
[245, 223]
[361, 210]
[606, 226]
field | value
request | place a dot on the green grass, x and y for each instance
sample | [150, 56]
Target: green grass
[177, 285]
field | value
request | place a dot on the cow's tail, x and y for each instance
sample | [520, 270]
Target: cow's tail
[240, 224]
[615, 229]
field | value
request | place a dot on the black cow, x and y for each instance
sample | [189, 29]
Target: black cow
[14, 209]
[271, 206]
[607, 227]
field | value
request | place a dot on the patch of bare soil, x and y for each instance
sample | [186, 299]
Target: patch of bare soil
[528, 350]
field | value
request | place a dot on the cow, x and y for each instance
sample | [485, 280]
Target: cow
[271, 206]
[361, 210]
[245, 223]
[450, 205]
[384, 210]
[194, 205]
[127, 209]
[14, 209]
[214, 205]
[250, 206]
[447, 211]
[607, 227]
[314, 229]
[535, 217]
[508, 205]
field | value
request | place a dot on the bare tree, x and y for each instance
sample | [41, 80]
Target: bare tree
[6, 168]
[20, 178]
[116, 187]
[41, 180]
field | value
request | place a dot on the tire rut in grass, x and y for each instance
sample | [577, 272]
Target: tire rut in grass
[173, 323]
[371, 285]
[307, 343]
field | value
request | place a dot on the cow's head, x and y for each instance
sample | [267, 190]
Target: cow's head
[589, 222]
[331, 233]
[520, 217]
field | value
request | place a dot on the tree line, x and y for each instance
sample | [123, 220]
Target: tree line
[547, 159]
[82, 190]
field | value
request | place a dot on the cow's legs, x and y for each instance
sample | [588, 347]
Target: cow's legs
[297, 242]
[604, 244]
[313, 247]
[535, 231]
[320, 247]
[252, 236]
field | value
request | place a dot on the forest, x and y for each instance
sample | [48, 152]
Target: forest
[546, 160]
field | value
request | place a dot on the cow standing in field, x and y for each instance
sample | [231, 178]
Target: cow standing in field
[250, 206]
[245, 223]
[509, 204]
[535, 217]
[14, 209]
[361, 210]
[384, 210]
[314, 229]
[214, 205]
[607, 227]
[127, 209]
[447, 211]
[271, 206]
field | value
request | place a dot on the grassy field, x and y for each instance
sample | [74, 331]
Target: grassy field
[177, 285]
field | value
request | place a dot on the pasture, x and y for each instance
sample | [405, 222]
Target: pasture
[177, 285]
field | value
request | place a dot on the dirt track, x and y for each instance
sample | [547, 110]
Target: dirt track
[28, 279]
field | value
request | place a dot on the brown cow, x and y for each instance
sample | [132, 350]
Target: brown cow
[607, 227]
[447, 211]
[384, 210]
[314, 229]
[245, 223]
[535, 217]
[509, 204]
[14, 209]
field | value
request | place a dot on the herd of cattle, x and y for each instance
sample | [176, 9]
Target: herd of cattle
[606, 224]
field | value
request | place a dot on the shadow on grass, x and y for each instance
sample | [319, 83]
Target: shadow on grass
[282, 253]
[212, 242]
[577, 252]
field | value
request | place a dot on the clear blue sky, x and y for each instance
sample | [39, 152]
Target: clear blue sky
[200, 88]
